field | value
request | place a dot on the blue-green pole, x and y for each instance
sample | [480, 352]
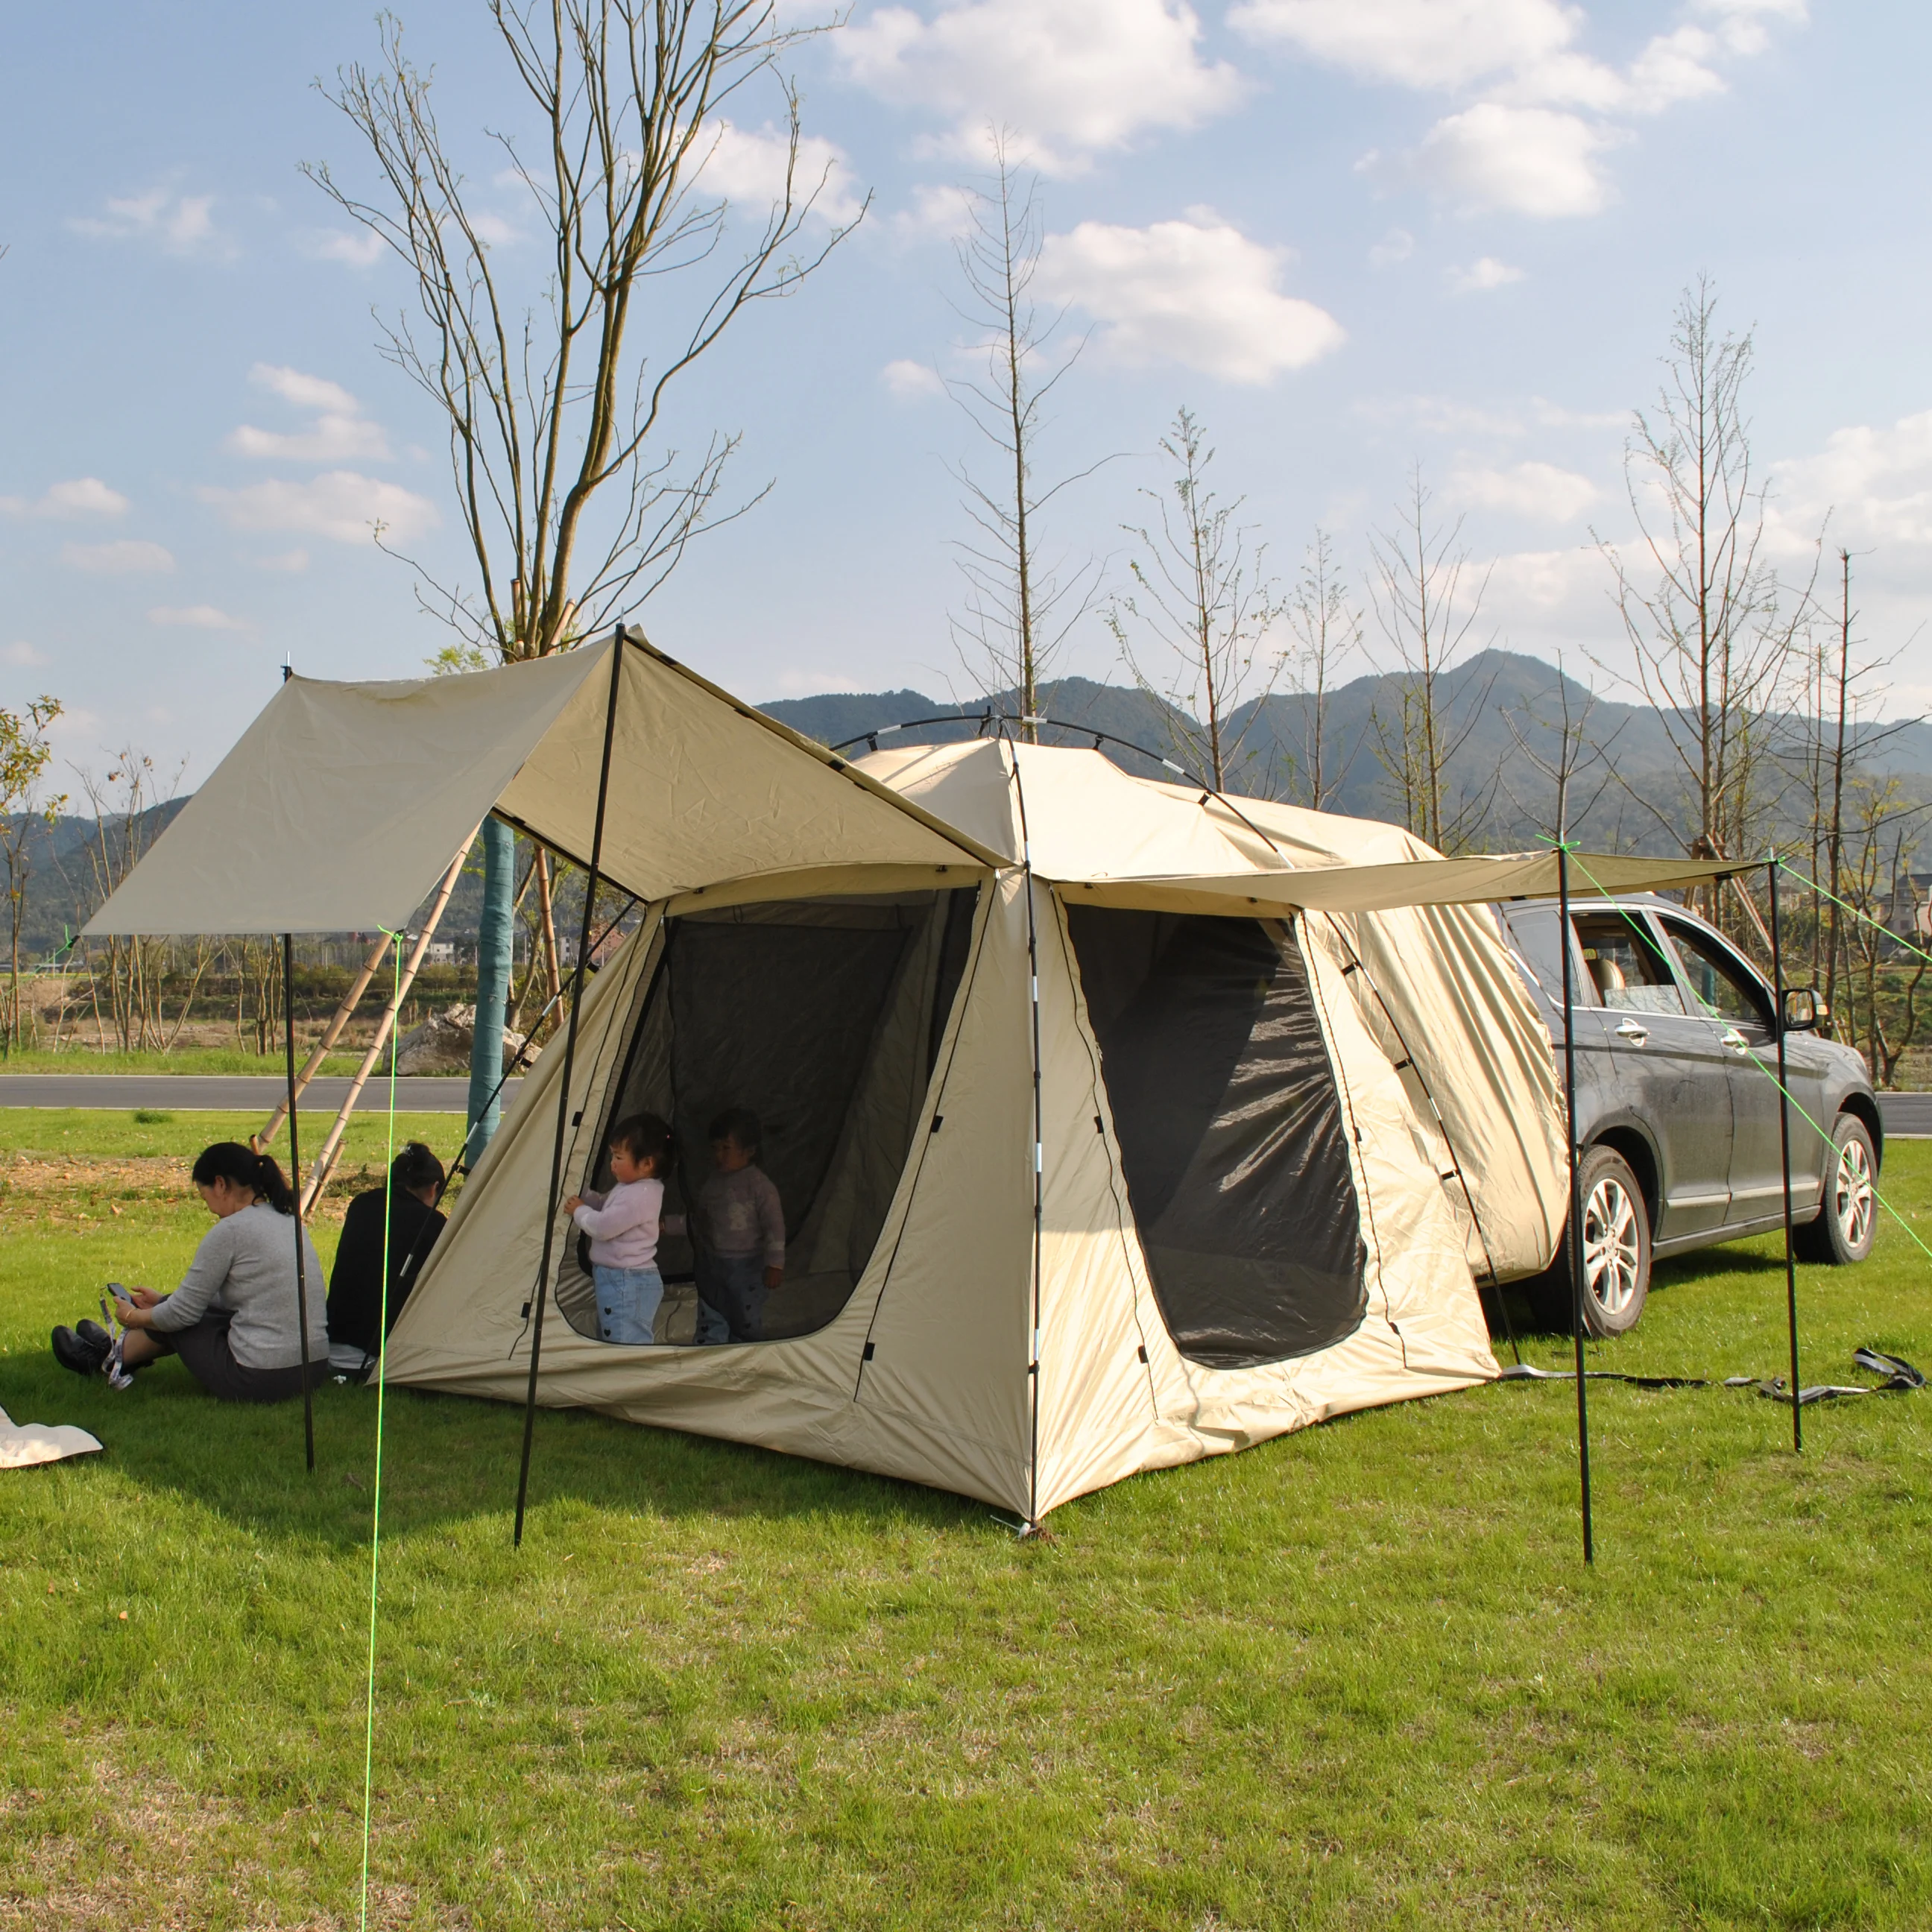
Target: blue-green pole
[493, 987]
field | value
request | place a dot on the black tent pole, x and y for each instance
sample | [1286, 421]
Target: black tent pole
[542, 1292]
[294, 1181]
[1784, 1151]
[1574, 1239]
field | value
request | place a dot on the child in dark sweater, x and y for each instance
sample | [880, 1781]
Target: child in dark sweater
[737, 1234]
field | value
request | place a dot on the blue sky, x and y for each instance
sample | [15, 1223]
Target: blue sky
[1349, 234]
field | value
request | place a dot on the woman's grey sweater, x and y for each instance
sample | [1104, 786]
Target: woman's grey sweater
[245, 1267]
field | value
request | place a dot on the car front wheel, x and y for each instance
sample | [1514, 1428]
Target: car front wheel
[1845, 1228]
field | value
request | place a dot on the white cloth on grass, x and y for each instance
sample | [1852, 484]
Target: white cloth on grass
[24, 1444]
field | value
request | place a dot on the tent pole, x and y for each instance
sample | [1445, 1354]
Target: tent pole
[294, 1186]
[542, 1294]
[1784, 1152]
[343, 1014]
[1574, 1239]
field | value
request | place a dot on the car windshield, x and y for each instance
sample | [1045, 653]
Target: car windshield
[1626, 970]
[1723, 986]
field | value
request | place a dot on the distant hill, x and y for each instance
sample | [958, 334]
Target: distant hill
[1510, 803]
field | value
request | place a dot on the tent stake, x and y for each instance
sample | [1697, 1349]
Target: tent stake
[1574, 1241]
[542, 1294]
[294, 1186]
[1784, 1152]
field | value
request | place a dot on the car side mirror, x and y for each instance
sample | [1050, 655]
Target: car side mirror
[1804, 1010]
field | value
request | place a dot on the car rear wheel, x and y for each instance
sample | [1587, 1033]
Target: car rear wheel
[1845, 1229]
[1616, 1252]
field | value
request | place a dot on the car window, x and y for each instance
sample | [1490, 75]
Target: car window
[1722, 986]
[1625, 970]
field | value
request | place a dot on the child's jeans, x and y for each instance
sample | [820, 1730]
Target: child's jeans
[731, 1296]
[627, 1302]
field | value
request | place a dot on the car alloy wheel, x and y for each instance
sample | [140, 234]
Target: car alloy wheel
[1854, 1201]
[1612, 1249]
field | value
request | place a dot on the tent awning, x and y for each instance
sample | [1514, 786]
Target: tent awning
[1413, 882]
[339, 808]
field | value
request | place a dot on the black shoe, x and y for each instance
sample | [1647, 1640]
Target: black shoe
[94, 1335]
[85, 1358]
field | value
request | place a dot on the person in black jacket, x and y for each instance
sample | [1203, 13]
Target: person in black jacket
[355, 1297]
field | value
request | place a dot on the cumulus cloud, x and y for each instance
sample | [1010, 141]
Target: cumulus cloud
[1522, 145]
[1397, 245]
[1197, 292]
[131, 557]
[908, 380]
[340, 433]
[1875, 483]
[196, 617]
[23, 655]
[82, 496]
[744, 167]
[339, 504]
[1485, 272]
[177, 224]
[1068, 79]
[1538, 491]
[356, 247]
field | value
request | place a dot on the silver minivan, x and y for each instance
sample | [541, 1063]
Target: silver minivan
[1677, 1102]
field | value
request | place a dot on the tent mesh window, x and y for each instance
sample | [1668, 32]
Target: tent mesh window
[1230, 1129]
[824, 1018]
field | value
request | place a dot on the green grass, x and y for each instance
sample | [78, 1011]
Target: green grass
[1355, 1678]
[183, 1060]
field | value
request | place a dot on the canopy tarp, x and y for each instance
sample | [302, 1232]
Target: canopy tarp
[1411, 882]
[341, 807]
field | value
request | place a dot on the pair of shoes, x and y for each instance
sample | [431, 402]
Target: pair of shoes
[83, 1353]
[93, 1334]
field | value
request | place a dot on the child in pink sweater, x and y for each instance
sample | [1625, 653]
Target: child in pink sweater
[622, 1224]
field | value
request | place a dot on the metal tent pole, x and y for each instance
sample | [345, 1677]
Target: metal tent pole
[1575, 1237]
[295, 1184]
[542, 1294]
[1784, 1151]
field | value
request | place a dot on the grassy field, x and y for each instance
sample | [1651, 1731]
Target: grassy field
[1355, 1678]
[76, 1059]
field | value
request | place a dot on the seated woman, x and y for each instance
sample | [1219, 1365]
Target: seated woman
[232, 1320]
[356, 1297]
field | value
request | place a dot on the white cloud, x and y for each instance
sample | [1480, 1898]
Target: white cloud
[1397, 245]
[338, 504]
[938, 212]
[1440, 415]
[1540, 491]
[340, 433]
[196, 617]
[1529, 160]
[1196, 291]
[1419, 43]
[1485, 272]
[1069, 78]
[747, 167]
[22, 654]
[1876, 484]
[179, 224]
[1519, 146]
[359, 248]
[908, 380]
[293, 562]
[130, 557]
[82, 497]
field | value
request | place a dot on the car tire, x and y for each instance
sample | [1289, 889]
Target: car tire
[1616, 1233]
[1848, 1223]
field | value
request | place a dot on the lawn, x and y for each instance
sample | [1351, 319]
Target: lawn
[81, 1059]
[1355, 1678]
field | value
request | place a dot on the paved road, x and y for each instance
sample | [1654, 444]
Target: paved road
[1907, 1116]
[229, 1092]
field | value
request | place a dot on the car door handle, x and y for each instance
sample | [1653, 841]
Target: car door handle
[1734, 1039]
[1630, 1030]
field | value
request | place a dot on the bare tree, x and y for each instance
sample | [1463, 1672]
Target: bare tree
[1710, 626]
[125, 804]
[1327, 629]
[1574, 756]
[575, 505]
[1202, 601]
[1426, 604]
[25, 754]
[1018, 609]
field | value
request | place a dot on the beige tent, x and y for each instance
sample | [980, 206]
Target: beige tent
[1116, 1123]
